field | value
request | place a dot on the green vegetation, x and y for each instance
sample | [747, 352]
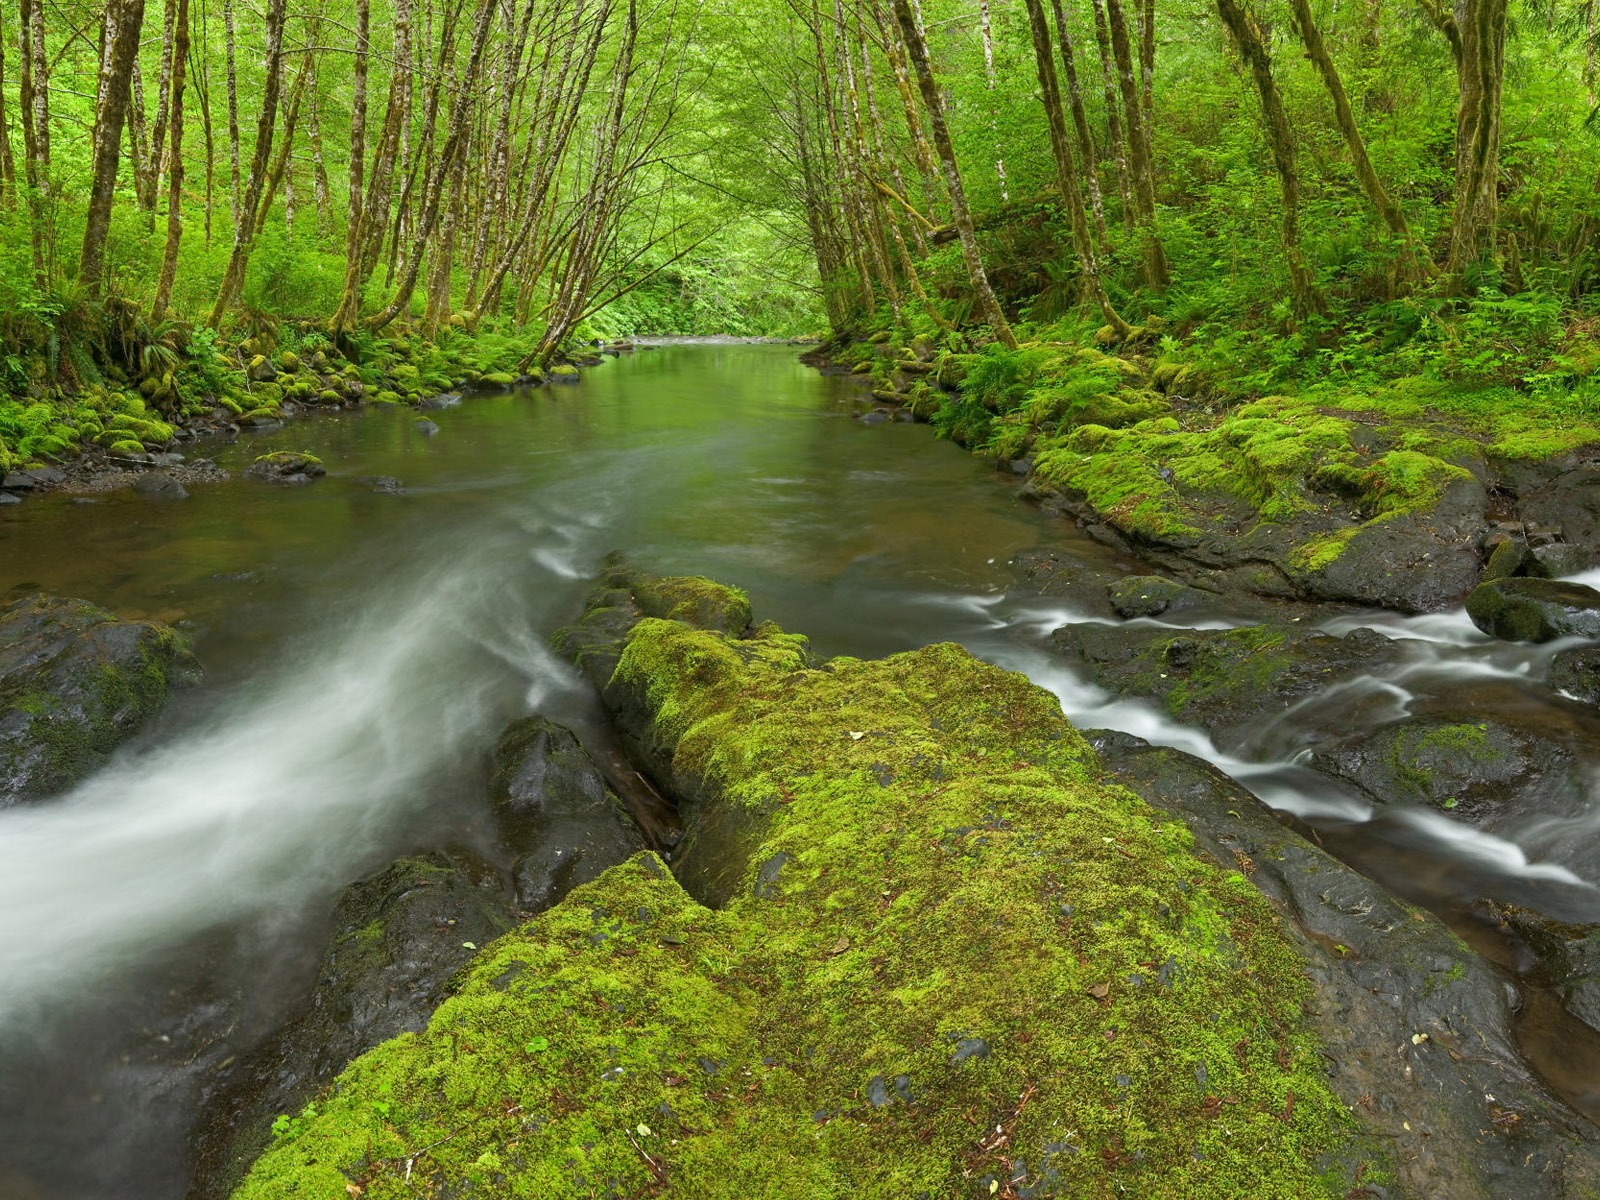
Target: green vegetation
[956, 961]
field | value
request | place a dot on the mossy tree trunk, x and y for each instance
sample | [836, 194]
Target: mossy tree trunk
[1480, 67]
[960, 214]
[119, 42]
[1247, 35]
[1142, 164]
[1066, 171]
[35, 104]
[1114, 134]
[174, 124]
[1080, 121]
[1414, 262]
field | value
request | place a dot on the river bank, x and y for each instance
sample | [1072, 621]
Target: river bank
[1397, 496]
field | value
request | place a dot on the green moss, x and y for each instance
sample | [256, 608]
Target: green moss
[696, 600]
[947, 926]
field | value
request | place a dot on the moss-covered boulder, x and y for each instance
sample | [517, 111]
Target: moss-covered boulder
[557, 812]
[1154, 596]
[286, 468]
[75, 682]
[1230, 682]
[1491, 771]
[952, 960]
[1535, 610]
[564, 373]
[1576, 673]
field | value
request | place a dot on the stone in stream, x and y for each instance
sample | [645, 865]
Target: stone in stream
[1576, 673]
[75, 682]
[1535, 610]
[425, 427]
[1230, 682]
[1493, 772]
[1153, 596]
[8, 498]
[1418, 1030]
[285, 467]
[159, 485]
[556, 812]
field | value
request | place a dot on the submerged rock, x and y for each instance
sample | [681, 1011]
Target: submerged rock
[160, 486]
[1576, 673]
[556, 812]
[1535, 610]
[1153, 596]
[1490, 772]
[75, 682]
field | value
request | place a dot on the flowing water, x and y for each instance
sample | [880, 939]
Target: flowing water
[363, 650]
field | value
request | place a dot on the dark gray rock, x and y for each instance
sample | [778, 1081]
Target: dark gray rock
[1577, 673]
[158, 485]
[1535, 610]
[556, 813]
[876, 417]
[1154, 595]
[1490, 772]
[1230, 682]
[442, 400]
[425, 427]
[401, 934]
[286, 468]
[1419, 1030]
[1557, 560]
[75, 682]
[384, 485]
[8, 498]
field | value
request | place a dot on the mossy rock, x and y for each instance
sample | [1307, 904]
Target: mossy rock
[954, 959]
[564, 373]
[267, 395]
[289, 362]
[1535, 610]
[286, 467]
[123, 447]
[260, 369]
[329, 396]
[386, 397]
[498, 378]
[75, 682]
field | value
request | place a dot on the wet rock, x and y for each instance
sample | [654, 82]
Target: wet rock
[1418, 1029]
[442, 400]
[8, 498]
[1489, 772]
[260, 370]
[1576, 673]
[425, 427]
[556, 812]
[876, 417]
[1535, 610]
[1230, 682]
[1561, 493]
[286, 468]
[75, 682]
[1508, 558]
[1557, 560]
[1154, 595]
[170, 459]
[401, 934]
[564, 373]
[160, 486]
[384, 485]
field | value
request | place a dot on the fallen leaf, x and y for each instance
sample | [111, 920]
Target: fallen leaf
[1099, 990]
[469, 945]
[840, 946]
[856, 737]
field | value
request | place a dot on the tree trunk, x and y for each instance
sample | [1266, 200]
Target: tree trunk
[244, 225]
[459, 111]
[203, 90]
[35, 101]
[1280, 138]
[1080, 121]
[345, 316]
[278, 172]
[234, 196]
[1066, 171]
[141, 157]
[169, 257]
[994, 117]
[1143, 164]
[961, 215]
[1414, 262]
[1147, 62]
[158, 134]
[1480, 67]
[319, 172]
[1119, 144]
[120, 42]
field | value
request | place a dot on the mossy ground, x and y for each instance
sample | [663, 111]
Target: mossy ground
[960, 964]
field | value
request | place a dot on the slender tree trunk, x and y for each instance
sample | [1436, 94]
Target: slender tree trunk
[1280, 138]
[1066, 172]
[923, 152]
[8, 166]
[459, 112]
[169, 257]
[278, 172]
[1147, 62]
[244, 225]
[349, 310]
[141, 157]
[234, 194]
[120, 42]
[1143, 165]
[1414, 263]
[319, 171]
[203, 90]
[1119, 144]
[158, 134]
[988, 304]
[994, 116]
[1080, 122]
[35, 101]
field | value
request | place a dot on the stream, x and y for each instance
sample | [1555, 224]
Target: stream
[364, 649]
